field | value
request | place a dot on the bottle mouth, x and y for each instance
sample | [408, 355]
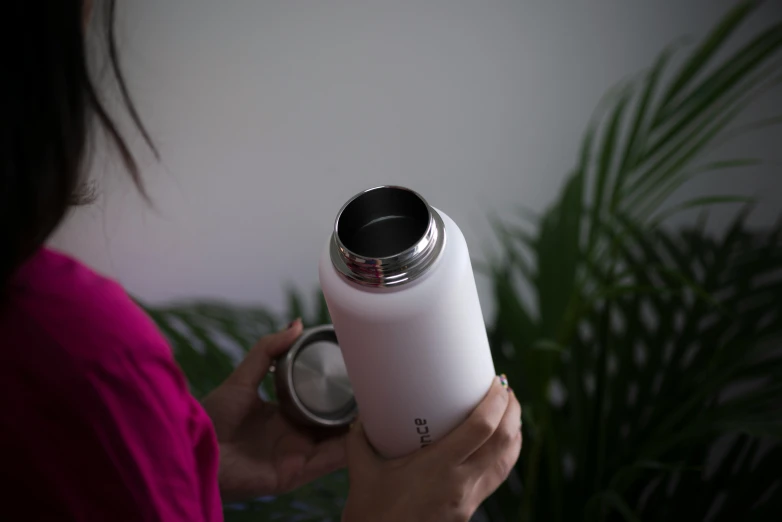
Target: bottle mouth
[386, 236]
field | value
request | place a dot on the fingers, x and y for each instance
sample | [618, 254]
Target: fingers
[495, 459]
[360, 455]
[251, 371]
[328, 456]
[468, 437]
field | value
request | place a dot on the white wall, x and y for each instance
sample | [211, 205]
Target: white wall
[269, 114]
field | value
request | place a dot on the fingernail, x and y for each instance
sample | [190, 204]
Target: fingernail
[292, 324]
[504, 381]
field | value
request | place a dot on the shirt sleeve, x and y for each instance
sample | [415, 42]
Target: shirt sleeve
[154, 454]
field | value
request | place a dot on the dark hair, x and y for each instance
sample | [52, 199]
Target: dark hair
[49, 107]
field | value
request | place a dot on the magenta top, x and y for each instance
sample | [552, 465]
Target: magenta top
[96, 421]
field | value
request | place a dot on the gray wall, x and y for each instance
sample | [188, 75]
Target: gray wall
[269, 114]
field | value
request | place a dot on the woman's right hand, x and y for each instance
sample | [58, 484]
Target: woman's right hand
[444, 482]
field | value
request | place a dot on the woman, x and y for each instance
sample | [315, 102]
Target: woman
[97, 422]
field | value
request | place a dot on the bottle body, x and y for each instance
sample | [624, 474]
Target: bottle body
[417, 354]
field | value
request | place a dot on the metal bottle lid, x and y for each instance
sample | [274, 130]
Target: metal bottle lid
[312, 382]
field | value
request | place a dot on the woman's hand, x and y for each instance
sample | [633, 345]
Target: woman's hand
[261, 452]
[444, 482]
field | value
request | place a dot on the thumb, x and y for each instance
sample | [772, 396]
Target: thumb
[251, 371]
[360, 454]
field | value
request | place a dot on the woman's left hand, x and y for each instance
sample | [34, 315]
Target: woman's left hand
[261, 452]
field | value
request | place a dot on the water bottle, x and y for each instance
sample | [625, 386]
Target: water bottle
[399, 285]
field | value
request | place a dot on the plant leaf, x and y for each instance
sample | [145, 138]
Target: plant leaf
[558, 254]
[698, 202]
[608, 150]
[639, 126]
[707, 49]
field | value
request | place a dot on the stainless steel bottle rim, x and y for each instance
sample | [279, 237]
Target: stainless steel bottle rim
[288, 395]
[402, 267]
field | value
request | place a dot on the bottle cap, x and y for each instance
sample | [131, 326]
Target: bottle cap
[312, 382]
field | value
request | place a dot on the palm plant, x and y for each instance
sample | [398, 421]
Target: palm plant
[670, 379]
[647, 358]
[639, 332]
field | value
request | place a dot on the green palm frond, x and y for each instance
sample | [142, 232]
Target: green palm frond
[670, 124]
[651, 327]
[648, 374]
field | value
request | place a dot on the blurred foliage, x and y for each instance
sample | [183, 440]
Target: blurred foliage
[637, 349]
[659, 390]
[210, 337]
[648, 359]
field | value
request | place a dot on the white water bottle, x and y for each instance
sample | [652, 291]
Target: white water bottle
[399, 286]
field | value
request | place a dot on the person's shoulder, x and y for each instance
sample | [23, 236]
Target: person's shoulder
[82, 311]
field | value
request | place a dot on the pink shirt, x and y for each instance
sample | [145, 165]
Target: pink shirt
[96, 422]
